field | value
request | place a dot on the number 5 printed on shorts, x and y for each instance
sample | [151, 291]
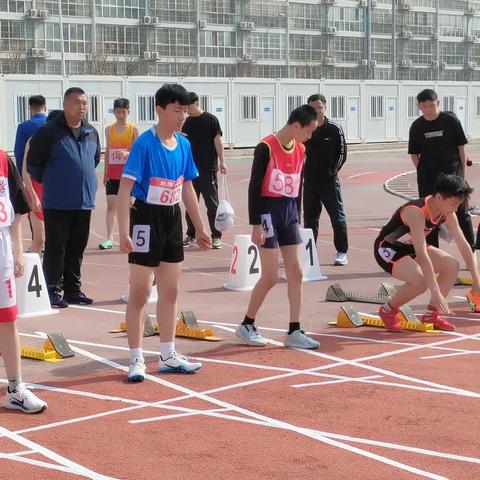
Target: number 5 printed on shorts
[141, 238]
[245, 268]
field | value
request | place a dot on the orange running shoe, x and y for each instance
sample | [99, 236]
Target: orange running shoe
[390, 320]
[473, 301]
[439, 322]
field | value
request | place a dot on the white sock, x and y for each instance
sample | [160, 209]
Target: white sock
[166, 349]
[135, 353]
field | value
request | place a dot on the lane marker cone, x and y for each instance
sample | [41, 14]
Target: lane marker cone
[31, 287]
[309, 257]
[245, 268]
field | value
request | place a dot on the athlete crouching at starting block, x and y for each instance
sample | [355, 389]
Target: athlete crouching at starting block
[401, 249]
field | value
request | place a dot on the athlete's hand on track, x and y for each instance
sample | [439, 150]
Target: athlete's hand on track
[203, 239]
[438, 300]
[126, 244]
[258, 235]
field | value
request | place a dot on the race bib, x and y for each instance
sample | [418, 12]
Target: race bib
[141, 238]
[6, 211]
[285, 184]
[386, 253]
[165, 192]
[117, 156]
[267, 226]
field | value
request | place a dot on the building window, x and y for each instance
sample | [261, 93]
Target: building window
[477, 106]
[337, 106]
[448, 103]
[204, 102]
[145, 109]
[94, 108]
[22, 112]
[412, 107]
[294, 101]
[249, 108]
[377, 109]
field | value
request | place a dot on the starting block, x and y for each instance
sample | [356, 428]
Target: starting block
[348, 317]
[187, 326]
[31, 289]
[245, 268]
[335, 293]
[54, 349]
[463, 281]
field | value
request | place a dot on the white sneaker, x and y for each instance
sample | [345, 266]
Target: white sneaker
[23, 399]
[249, 334]
[177, 363]
[341, 259]
[136, 370]
[298, 339]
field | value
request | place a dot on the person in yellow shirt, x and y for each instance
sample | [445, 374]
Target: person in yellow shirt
[119, 138]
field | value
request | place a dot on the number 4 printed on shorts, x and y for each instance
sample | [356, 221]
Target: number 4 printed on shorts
[267, 226]
[141, 238]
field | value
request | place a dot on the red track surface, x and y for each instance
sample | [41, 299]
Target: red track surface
[368, 404]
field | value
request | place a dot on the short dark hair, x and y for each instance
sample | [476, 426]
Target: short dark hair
[121, 103]
[317, 97]
[71, 90]
[171, 93]
[193, 98]
[449, 186]
[37, 101]
[427, 95]
[53, 114]
[304, 115]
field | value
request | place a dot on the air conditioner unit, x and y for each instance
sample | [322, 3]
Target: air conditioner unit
[147, 20]
[330, 60]
[247, 58]
[435, 64]
[407, 34]
[471, 11]
[202, 24]
[34, 52]
[155, 55]
[374, 3]
[364, 3]
[364, 62]
[43, 13]
[443, 64]
[405, 6]
[331, 30]
[147, 56]
[89, 57]
[246, 25]
[472, 65]
[373, 63]
[153, 20]
[32, 13]
[435, 36]
[407, 63]
[41, 52]
[329, 2]
[471, 38]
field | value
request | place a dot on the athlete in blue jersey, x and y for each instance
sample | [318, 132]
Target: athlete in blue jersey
[158, 174]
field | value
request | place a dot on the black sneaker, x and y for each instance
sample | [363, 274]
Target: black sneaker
[78, 299]
[56, 301]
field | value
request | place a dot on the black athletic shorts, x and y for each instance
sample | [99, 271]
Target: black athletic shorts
[156, 232]
[279, 217]
[387, 255]
[112, 186]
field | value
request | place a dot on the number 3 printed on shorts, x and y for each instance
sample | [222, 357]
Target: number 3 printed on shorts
[141, 238]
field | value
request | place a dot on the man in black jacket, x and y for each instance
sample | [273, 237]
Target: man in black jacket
[326, 152]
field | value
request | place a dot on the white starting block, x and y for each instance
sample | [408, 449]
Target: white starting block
[153, 294]
[309, 257]
[245, 268]
[31, 289]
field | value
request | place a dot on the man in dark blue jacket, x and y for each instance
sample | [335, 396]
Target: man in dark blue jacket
[63, 156]
[326, 152]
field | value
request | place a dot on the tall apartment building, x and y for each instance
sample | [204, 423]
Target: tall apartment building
[332, 39]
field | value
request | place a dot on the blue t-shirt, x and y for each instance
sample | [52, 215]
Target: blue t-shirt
[150, 159]
[24, 131]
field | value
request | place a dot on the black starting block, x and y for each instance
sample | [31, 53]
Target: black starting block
[335, 293]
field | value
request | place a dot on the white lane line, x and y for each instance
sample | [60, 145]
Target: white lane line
[36, 463]
[74, 467]
[360, 174]
[333, 382]
[189, 413]
[444, 355]
[23, 452]
[269, 420]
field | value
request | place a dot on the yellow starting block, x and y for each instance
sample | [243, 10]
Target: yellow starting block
[187, 326]
[463, 281]
[348, 317]
[54, 349]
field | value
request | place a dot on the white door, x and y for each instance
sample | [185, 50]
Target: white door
[461, 110]
[54, 103]
[391, 118]
[219, 109]
[267, 124]
[352, 130]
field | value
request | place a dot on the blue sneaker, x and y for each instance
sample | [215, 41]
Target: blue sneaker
[78, 299]
[56, 300]
[177, 363]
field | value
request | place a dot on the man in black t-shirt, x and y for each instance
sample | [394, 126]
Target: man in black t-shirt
[205, 135]
[437, 146]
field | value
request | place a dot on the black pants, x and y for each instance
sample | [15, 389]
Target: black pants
[426, 182]
[329, 195]
[66, 236]
[206, 185]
